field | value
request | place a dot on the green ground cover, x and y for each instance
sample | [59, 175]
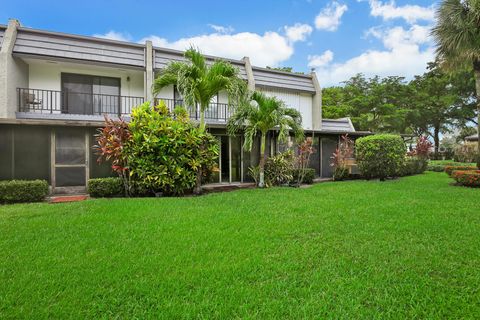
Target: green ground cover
[405, 248]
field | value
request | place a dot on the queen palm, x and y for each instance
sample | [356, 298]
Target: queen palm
[457, 34]
[260, 115]
[199, 82]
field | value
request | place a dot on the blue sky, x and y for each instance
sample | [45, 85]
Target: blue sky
[337, 38]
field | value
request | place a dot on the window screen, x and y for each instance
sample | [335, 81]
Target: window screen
[70, 176]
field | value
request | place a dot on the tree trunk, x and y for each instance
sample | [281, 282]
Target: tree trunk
[198, 180]
[263, 155]
[476, 68]
[436, 140]
[202, 117]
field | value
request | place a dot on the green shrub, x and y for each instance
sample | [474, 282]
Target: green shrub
[340, 173]
[413, 166]
[106, 187]
[13, 191]
[449, 169]
[436, 167]
[468, 178]
[308, 175]
[166, 151]
[380, 156]
[279, 169]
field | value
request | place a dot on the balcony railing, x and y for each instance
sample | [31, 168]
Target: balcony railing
[60, 102]
[220, 112]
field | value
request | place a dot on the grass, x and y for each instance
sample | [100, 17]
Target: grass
[450, 162]
[407, 248]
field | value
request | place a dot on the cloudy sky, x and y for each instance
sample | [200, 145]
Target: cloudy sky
[337, 38]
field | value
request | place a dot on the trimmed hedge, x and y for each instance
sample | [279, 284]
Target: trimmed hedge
[413, 166]
[468, 178]
[307, 178]
[380, 156]
[106, 187]
[449, 169]
[15, 191]
[436, 167]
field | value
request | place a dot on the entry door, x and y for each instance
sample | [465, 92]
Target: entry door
[70, 154]
[328, 147]
[230, 160]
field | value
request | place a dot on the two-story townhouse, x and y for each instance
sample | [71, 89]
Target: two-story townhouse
[55, 89]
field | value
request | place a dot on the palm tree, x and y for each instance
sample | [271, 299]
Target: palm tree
[199, 82]
[260, 115]
[457, 34]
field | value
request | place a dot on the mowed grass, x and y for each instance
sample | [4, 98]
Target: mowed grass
[450, 162]
[407, 248]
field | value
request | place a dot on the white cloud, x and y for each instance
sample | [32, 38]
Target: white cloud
[317, 61]
[397, 36]
[114, 35]
[410, 13]
[221, 29]
[406, 53]
[329, 18]
[268, 49]
[298, 32]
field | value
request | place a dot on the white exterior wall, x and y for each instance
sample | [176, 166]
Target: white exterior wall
[166, 93]
[222, 97]
[47, 76]
[300, 101]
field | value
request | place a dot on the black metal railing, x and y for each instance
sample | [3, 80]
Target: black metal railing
[52, 101]
[220, 112]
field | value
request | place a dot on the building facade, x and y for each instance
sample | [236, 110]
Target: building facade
[55, 89]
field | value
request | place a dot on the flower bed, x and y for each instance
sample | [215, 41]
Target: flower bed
[468, 178]
[449, 169]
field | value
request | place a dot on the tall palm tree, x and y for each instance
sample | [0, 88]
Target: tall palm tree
[457, 34]
[260, 115]
[199, 82]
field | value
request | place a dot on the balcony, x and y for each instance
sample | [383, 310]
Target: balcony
[216, 112]
[51, 104]
[38, 101]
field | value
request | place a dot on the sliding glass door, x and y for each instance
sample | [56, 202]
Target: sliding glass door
[85, 94]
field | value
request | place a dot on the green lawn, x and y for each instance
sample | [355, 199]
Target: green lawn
[450, 162]
[408, 248]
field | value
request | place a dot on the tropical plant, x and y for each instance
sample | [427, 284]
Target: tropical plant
[111, 141]
[258, 116]
[199, 82]
[305, 150]
[165, 151]
[339, 158]
[422, 148]
[457, 35]
[279, 169]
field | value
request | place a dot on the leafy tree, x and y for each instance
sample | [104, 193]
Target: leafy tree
[457, 34]
[199, 82]
[376, 104]
[465, 132]
[334, 104]
[437, 98]
[259, 116]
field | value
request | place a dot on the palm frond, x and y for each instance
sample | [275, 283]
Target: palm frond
[457, 33]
